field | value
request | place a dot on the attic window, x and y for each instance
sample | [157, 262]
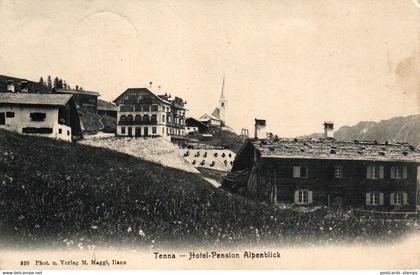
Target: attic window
[381, 153]
[332, 151]
[405, 153]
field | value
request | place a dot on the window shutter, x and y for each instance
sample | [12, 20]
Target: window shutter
[404, 172]
[381, 198]
[391, 199]
[310, 197]
[296, 196]
[369, 172]
[296, 171]
[367, 198]
[303, 171]
[393, 172]
[381, 172]
[405, 199]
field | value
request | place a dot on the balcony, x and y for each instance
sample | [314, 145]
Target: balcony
[137, 122]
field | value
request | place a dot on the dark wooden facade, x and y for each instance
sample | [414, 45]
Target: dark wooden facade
[275, 181]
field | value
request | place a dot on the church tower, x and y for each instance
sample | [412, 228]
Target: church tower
[222, 104]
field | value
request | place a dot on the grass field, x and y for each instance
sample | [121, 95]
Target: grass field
[67, 194]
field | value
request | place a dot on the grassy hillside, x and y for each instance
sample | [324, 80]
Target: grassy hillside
[94, 123]
[225, 139]
[66, 194]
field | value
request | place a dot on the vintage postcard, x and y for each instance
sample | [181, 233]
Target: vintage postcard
[230, 134]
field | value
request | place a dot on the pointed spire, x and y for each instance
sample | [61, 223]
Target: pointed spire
[223, 87]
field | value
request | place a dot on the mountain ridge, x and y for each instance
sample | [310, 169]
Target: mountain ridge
[396, 129]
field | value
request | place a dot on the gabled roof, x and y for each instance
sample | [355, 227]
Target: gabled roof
[210, 116]
[141, 90]
[80, 92]
[34, 99]
[332, 149]
[216, 113]
[190, 120]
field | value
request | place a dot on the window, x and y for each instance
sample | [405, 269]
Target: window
[154, 108]
[154, 130]
[163, 118]
[163, 130]
[2, 119]
[154, 118]
[33, 130]
[137, 119]
[123, 130]
[374, 198]
[10, 114]
[303, 196]
[60, 131]
[137, 131]
[398, 198]
[130, 118]
[38, 116]
[398, 172]
[146, 118]
[338, 173]
[300, 171]
[375, 172]
[68, 132]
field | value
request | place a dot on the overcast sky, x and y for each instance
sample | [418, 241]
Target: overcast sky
[294, 63]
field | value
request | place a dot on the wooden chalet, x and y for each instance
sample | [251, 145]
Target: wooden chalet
[85, 100]
[353, 174]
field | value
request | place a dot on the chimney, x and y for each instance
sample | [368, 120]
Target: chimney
[10, 86]
[328, 129]
[150, 85]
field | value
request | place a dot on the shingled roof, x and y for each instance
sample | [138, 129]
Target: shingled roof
[332, 149]
[34, 99]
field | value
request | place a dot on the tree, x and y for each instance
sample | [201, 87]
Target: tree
[56, 83]
[77, 87]
[49, 82]
[41, 80]
[60, 84]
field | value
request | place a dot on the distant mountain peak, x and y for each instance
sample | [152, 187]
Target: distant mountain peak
[396, 129]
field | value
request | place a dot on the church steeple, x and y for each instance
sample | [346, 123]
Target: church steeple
[222, 103]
